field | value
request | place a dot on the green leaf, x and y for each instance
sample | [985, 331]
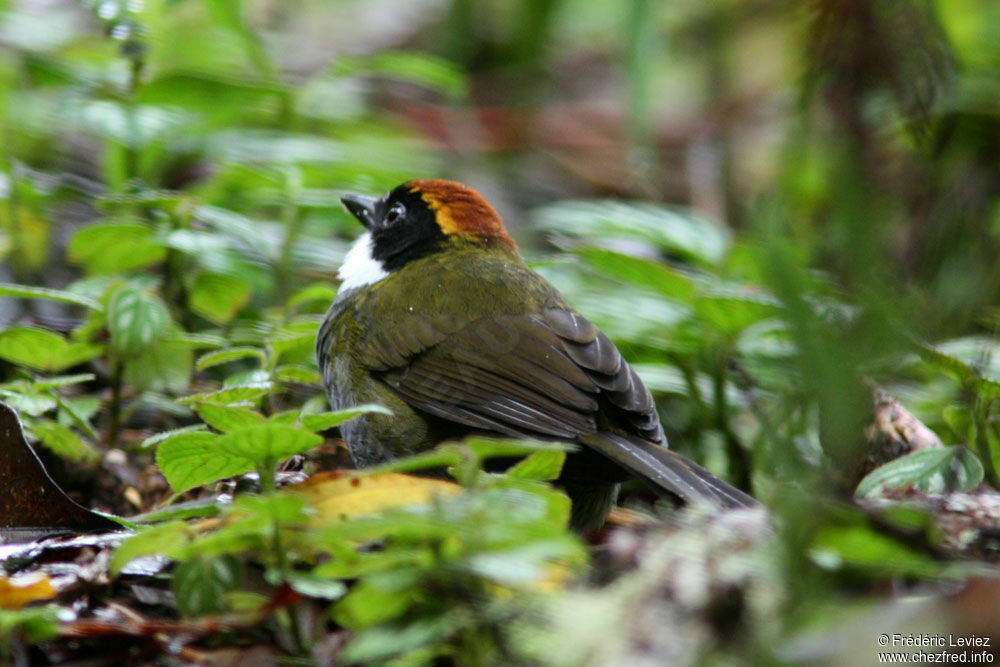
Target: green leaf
[165, 366]
[43, 349]
[323, 293]
[62, 381]
[677, 232]
[311, 585]
[543, 466]
[297, 374]
[219, 357]
[200, 584]
[64, 442]
[115, 247]
[194, 509]
[160, 437]
[33, 624]
[668, 282]
[946, 363]
[137, 318]
[218, 297]
[377, 644]
[988, 390]
[523, 563]
[166, 539]
[934, 471]
[422, 69]
[731, 310]
[229, 395]
[197, 341]
[29, 403]
[367, 605]
[227, 418]
[194, 459]
[326, 420]
[862, 546]
[294, 336]
[32, 292]
[959, 420]
[269, 442]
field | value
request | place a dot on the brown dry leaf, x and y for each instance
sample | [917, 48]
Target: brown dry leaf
[16, 592]
[340, 495]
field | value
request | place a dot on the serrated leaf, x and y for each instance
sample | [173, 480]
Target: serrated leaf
[218, 297]
[188, 460]
[32, 292]
[160, 437]
[43, 349]
[325, 420]
[137, 318]
[229, 395]
[227, 418]
[269, 442]
[62, 381]
[115, 247]
[934, 471]
[219, 357]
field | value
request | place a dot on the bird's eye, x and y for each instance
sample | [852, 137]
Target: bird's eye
[395, 213]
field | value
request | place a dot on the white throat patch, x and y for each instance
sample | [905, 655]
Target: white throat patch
[359, 267]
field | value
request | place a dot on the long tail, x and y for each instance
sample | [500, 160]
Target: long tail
[667, 470]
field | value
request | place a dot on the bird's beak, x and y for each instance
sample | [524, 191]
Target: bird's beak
[361, 207]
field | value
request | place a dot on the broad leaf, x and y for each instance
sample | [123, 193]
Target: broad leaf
[227, 418]
[326, 420]
[188, 460]
[218, 357]
[269, 442]
[32, 292]
[218, 297]
[936, 471]
[43, 349]
[115, 247]
[137, 318]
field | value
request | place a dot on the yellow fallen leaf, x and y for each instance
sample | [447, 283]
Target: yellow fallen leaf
[341, 495]
[16, 592]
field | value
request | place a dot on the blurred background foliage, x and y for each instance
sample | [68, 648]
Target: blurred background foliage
[766, 204]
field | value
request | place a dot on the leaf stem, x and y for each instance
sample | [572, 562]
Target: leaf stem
[117, 379]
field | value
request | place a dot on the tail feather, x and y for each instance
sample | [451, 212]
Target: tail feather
[667, 470]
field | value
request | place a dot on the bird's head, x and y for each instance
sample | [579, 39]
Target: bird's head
[413, 220]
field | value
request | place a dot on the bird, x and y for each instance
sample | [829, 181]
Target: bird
[439, 319]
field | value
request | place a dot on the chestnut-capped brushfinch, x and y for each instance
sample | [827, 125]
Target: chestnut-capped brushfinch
[439, 319]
